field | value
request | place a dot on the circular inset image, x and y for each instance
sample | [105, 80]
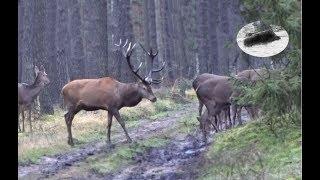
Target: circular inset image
[262, 40]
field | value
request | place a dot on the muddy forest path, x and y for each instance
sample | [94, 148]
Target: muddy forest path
[169, 147]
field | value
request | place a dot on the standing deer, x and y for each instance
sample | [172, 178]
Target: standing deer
[109, 94]
[249, 76]
[199, 81]
[215, 94]
[28, 93]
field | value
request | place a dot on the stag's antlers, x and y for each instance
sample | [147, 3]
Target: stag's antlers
[127, 54]
[152, 56]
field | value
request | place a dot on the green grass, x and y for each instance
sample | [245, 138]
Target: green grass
[159, 115]
[123, 155]
[188, 123]
[160, 106]
[50, 133]
[34, 155]
[165, 105]
[253, 151]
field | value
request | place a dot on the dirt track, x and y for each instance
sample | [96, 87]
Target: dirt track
[176, 160]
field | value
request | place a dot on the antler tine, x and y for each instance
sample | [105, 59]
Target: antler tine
[144, 49]
[131, 49]
[125, 43]
[157, 81]
[138, 68]
[119, 43]
[159, 69]
[155, 54]
[128, 58]
[128, 49]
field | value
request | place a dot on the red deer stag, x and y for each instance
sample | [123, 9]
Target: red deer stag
[28, 93]
[108, 94]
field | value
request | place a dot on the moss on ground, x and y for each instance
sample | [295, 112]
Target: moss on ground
[123, 155]
[253, 151]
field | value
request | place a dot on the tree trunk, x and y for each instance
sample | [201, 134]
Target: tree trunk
[180, 36]
[20, 38]
[188, 11]
[202, 35]
[169, 43]
[76, 64]
[123, 29]
[62, 43]
[27, 43]
[213, 39]
[223, 38]
[158, 6]
[44, 49]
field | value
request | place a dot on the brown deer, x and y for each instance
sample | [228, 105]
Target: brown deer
[251, 76]
[215, 94]
[199, 80]
[196, 84]
[109, 94]
[28, 93]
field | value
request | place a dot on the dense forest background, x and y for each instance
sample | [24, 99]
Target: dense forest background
[75, 39]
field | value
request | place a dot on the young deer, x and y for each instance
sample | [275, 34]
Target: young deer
[28, 93]
[108, 94]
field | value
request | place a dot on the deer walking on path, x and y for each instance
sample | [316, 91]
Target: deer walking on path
[109, 94]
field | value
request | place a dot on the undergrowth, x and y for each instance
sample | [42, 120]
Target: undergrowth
[253, 152]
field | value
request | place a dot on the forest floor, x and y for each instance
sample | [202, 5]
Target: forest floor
[167, 145]
[162, 147]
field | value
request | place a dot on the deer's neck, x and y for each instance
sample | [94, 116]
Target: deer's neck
[30, 93]
[35, 90]
[130, 95]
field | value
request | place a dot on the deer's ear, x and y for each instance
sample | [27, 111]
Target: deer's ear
[36, 70]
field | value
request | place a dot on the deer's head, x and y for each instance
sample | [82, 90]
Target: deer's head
[144, 84]
[41, 76]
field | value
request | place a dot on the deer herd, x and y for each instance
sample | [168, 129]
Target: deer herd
[215, 92]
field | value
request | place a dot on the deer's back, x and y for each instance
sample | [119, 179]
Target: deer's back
[91, 92]
[202, 78]
[218, 89]
[251, 75]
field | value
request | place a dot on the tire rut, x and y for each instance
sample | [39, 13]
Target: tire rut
[51, 165]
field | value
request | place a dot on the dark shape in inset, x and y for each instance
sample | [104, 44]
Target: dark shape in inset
[260, 38]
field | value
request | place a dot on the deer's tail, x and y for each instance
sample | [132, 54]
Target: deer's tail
[62, 103]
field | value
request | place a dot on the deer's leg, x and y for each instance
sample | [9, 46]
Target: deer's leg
[229, 117]
[22, 114]
[216, 122]
[110, 115]
[121, 122]
[29, 111]
[213, 122]
[203, 125]
[200, 108]
[239, 115]
[68, 118]
[19, 111]
[219, 121]
[234, 112]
